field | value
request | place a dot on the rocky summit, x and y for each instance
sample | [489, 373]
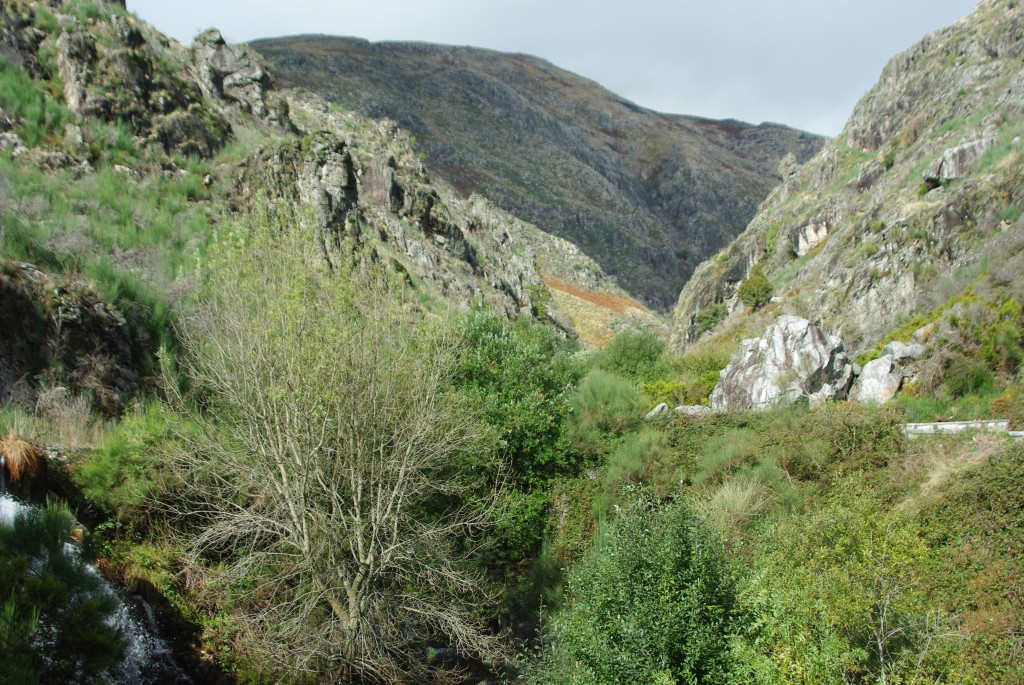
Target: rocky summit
[647, 195]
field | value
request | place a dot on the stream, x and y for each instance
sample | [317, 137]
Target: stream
[148, 657]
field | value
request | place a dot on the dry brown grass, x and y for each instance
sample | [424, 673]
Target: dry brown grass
[22, 458]
[616, 303]
[934, 460]
[595, 314]
[66, 419]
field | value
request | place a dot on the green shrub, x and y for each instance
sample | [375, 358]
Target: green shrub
[523, 375]
[635, 354]
[964, 378]
[643, 457]
[709, 317]
[771, 239]
[602, 407]
[842, 600]
[119, 474]
[723, 453]
[976, 528]
[756, 291]
[672, 392]
[698, 370]
[1010, 405]
[652, 602]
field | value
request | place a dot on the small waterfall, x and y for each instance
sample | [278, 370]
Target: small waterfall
[148, 658]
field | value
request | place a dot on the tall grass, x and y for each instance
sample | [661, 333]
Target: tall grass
[23, 98]
[604, 406]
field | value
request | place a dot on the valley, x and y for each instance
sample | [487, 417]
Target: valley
[349, 362]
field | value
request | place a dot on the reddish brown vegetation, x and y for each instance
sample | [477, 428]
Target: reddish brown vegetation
[21, 458]
[617, 304]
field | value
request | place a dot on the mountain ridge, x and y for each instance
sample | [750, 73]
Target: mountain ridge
[645, 194]
[915, 202]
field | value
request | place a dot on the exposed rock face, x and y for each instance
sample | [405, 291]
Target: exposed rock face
[808, 237]
[904, 353]
[42, 315]
[19, 39]
[793, 358]
[868, 243]
[646, 195]
[956, 162]
[694, 410]
[657, 411]
[234, 74]
[879, 381]
[119, 69]
[370, 189]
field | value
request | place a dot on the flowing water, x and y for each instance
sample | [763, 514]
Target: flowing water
[148, 658]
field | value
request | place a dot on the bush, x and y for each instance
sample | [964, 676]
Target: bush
[842, 600]
[709, 317]
[635, 354]
[330, 461]
[652, 602]
[120, 473]
[602, 407]
[523, 376]
[634, 458]
[756, 291]
[964, 378]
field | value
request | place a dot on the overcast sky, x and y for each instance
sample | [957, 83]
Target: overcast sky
[799, 62]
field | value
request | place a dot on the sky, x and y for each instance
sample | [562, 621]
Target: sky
[803, 63]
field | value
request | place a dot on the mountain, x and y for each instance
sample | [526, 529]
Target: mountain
[911, 213]
[646, 195]
[125, 150]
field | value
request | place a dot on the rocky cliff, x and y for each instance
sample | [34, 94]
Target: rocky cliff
[362, 183]
[121, 150]
[646, 195]
[915, 207]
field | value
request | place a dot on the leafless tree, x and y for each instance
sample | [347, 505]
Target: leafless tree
[327, 465]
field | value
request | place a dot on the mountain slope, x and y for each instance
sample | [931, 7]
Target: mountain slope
[913, 209]
[647, 195]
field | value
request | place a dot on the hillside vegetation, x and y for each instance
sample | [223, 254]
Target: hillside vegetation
[912, 210]
[646, 195]
[329, 417]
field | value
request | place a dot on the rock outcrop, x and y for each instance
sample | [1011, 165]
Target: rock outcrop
[921, 190]
[44, 318]
[646, 195]
[365, 186]
[956, 162]
[878, 382]
[118, 69]
[234, 75]
[792, 359]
